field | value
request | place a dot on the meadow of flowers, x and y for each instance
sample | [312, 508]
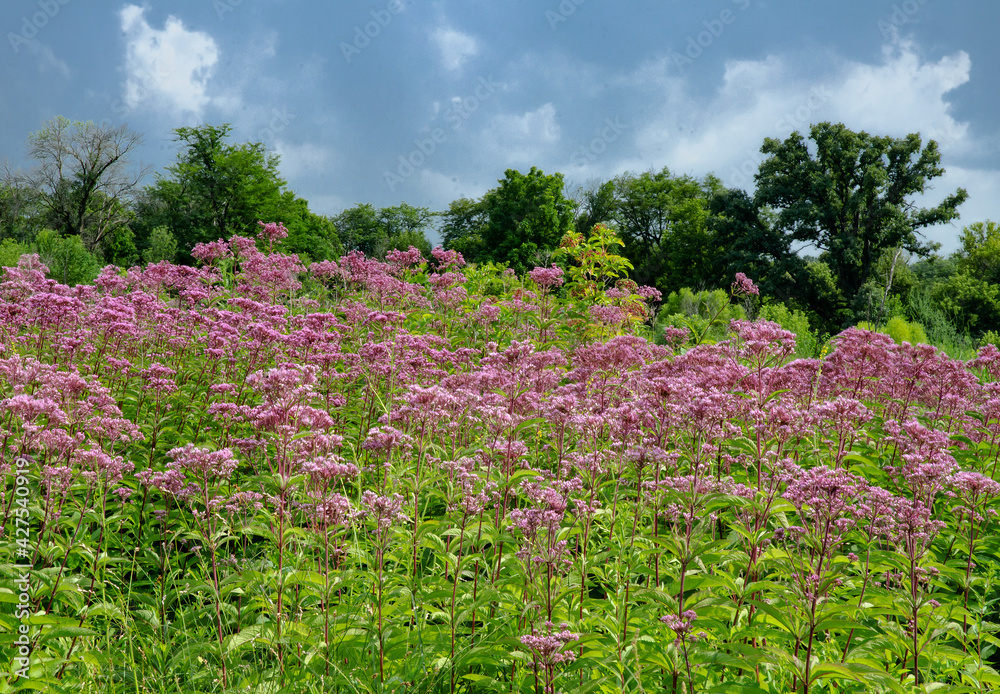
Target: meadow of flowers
[416, 476]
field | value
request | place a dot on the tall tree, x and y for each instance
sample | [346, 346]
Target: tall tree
[462, 228]
[375, 231]
[217, 189]
[21, 211]
[851, 196]
[662, 220]
[743, 239]
[526, 217]
[595, 204]
[83, 178]
[979, 254]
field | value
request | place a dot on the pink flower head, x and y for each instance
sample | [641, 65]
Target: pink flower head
[446, 259]
[549, 648]
[608, 315]
[273, 231]
[386, 510]
[547, 277]
[744, 285]
[386, 440]
[208, 253]
[649, 293]
[204, 463]
[681, 624]
[404, 259]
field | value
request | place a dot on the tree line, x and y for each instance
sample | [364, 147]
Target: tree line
[831, 231]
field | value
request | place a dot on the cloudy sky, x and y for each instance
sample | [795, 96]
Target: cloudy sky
[424, 102]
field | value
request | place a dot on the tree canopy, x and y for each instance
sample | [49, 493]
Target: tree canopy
[375, 231]
[851, 196]
[83, 180]
[526, 217]
[662, 220]
[216, 189]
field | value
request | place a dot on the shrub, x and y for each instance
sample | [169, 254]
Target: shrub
[162, 246]
[68, 260]
[807, 343]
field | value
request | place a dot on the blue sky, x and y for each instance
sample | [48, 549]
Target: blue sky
[425, 102]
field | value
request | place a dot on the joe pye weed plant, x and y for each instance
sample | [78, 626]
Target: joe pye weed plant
[421, 476]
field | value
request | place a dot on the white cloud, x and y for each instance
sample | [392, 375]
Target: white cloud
[983, 186]
[522, 139]
[904, 93]
[168, 67]
[299, 160]
[47, 60]
[772, 97]
[456, 48]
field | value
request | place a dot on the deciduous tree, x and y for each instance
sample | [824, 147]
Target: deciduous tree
[83, 178]
[217, 189]
[851, 195]
[526, 217]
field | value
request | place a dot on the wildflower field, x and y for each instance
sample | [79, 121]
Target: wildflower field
[416, 476]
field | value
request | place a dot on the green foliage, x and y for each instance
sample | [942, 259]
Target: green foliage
[823, 298]
[462, 228]
[11, 251]
[592, 264]
[705, 314]
[376, 231]
[851, 199]
[21, 209]
[922, 308]
[69, 262]
[595, 205]
[662, 219]
[979, 255]
[82, 184]
[310, 236]
[744, 239]
[526, 217]
[216, 189]
[162, 246]
[118, 247]
[807, 343]
[359, 229]
[403, 240]
[900, 330]
[969, 302]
